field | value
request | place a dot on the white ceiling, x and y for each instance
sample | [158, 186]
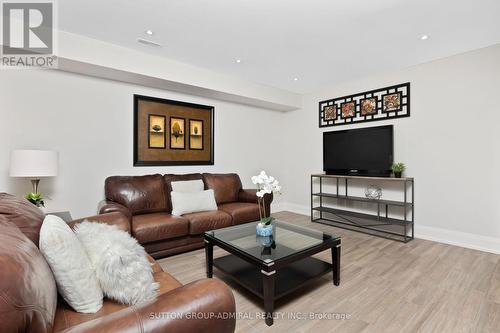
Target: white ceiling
[321, 42]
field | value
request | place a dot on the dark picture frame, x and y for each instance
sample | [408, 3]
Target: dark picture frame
[194, 135]
[384, 105]
[176, 133]
[145, 155]
[155, 134]
[352, 112]
[330, 112]
[362, 110]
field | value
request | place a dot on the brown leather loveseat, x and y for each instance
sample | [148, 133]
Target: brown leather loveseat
[145, 200]
[29, 300]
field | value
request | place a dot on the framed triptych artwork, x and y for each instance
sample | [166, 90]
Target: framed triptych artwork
[168, 132]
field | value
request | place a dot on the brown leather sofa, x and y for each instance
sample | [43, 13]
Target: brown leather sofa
[145, 200]
[29, 301]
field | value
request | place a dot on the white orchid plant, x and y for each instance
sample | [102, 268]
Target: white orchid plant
[266, 185]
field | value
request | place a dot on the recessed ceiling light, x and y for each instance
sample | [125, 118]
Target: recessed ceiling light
[424, 37]
[149, 32]
[238, 61]
[295, 78]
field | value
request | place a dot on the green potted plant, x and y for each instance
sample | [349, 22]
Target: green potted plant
[35, 198]
[398, 169]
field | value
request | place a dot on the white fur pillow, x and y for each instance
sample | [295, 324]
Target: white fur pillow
[184, 203]
[120, 263]
[70, 265]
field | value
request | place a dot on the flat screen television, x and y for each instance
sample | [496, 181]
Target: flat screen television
[363, 152]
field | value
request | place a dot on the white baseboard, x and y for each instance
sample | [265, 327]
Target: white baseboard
[457, 238]
[294, 208]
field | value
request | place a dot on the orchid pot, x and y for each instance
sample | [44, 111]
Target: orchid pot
[265, 241]
[266, 185]
[264, 230]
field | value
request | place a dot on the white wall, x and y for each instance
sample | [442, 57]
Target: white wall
[89, 121]
[450, 145]
[450, 142]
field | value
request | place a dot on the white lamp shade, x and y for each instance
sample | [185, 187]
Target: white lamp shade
[33, 163]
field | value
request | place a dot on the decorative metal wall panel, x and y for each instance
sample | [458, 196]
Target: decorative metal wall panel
[379, 104]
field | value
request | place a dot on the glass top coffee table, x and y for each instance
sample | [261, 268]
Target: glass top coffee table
[271, 267]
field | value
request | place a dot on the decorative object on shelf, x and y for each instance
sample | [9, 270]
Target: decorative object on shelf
[266, 185]
[398, 169]
[379, 104]
[373, 192]
[35, 198]
[34, 164]
[188, 128]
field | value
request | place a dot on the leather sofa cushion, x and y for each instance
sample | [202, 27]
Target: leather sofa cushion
[205, 221]
[28, 290]
[158, 226]
[169, 178]
[26, 216]
[241, 212]
[67, 317]
[161, 245]
[226, 186]
[140, 194]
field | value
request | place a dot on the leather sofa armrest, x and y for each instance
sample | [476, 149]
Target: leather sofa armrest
[106, 206]
[202, 306]
[155, 266]
[115, 218]
[251, 196]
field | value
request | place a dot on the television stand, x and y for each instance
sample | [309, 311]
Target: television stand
[325, 210]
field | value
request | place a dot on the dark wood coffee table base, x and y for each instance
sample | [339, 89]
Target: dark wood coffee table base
[272, 283]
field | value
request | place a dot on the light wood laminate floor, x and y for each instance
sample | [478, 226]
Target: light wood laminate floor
[386, 286]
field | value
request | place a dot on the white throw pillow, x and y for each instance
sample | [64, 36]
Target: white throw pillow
[188, 186]
[75, 277]
[184, 203]
[121, 265]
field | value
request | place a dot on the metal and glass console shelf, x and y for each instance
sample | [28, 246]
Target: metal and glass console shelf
[331, 206]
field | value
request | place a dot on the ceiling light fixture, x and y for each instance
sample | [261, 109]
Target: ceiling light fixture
[424, 37]
[238, 61]
[149, 32]
[295, 78]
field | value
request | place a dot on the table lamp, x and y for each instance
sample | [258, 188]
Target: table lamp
[33, 164]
